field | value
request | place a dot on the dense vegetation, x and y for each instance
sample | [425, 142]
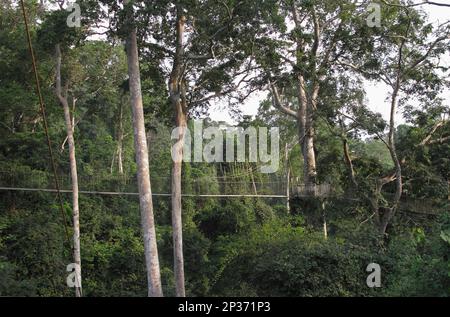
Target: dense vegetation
[235, 246]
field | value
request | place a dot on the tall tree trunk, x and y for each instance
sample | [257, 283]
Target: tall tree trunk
[349, 161]
[390, 212]
[307, 104]
[113, 160]
[448, 189]
[143, 173]
[178, 100]
[62, 96]
[177, 223]
[120, 137]
[306, 137]
[324, 218]
[288, 178]
[288, 190]
[309, 157]
[386, 218]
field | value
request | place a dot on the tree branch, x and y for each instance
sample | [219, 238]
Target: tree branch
[278, 103]
[432, 132]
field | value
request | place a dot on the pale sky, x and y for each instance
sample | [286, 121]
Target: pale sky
[376, 92]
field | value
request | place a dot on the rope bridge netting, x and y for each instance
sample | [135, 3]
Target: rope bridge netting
[240, 185]
[32, 180]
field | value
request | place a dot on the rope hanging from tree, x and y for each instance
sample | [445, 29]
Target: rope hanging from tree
[45, 124]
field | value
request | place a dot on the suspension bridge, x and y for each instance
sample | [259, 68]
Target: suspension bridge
[234, 186]
[121, 185]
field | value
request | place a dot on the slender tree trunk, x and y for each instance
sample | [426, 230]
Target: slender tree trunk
[178, 100]
[397, 177]
[113, 160]
[348, 160]
[252, 177]
[177, 223]
[288, 178]
[310, 161]
[76, 210]
[62, 96]
[74, 124]
[120, 157]
[325, 225]
[120, 138]
[143, 173]
[307, 104]
[390, 212]
[288, 190]
[448, 188]
[306, 137]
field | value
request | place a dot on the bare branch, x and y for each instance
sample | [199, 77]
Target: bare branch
[427, 54]
[432, 132]
[278, 103]
[425, 2]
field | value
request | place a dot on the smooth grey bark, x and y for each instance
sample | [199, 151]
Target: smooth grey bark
[307, 99]
[62, 97]
[288, 190]
[177, 92]
[325, 224]
[307, 95]
[120, 143]
[287, 150]
[143, 173]
[119, 150]
[349, 161]
[304, 117]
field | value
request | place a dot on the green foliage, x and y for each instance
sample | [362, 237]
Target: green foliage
[232, 246]
[233, 217]
[421, 266]
[282, 260]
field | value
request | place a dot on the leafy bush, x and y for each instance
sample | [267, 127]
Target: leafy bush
[281, 260]
[421, 265]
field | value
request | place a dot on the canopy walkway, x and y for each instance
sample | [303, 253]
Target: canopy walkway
[238, 186]
[230, 186]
